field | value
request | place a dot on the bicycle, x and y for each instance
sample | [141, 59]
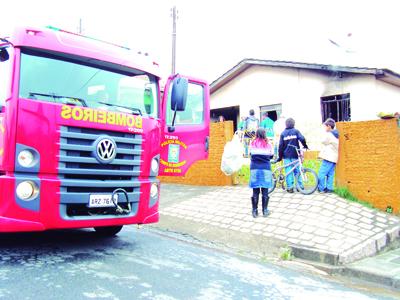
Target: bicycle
[309, 179]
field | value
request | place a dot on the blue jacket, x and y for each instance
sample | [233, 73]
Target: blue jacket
[290, 137]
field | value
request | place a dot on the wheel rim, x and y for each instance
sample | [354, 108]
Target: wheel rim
[308, 183]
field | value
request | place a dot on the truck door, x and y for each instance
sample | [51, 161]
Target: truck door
[187, 140]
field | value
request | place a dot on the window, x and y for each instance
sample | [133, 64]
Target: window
[274, 111]
[62, 80]
[5, 78]
[194, 111]
[336, 107]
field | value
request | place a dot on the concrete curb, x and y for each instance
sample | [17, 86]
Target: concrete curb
[315, 255]
[369, 277]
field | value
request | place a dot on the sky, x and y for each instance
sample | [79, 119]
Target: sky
[213, 36]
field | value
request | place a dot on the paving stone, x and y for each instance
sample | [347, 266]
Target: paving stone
[334, 243]
[244, 230]
[365, 226]
[351, 227]
[306, 236]
[353, 215]
[270, 228]
[296, 226]
[307, 243]
[308, 228]
[315, 209]
[281, 231]
[353, 233]
[322, 232]
[336, 236]
[351, 221]
[324, 219]
[367, 214]
[273, 221]
[381, 214]
[234, 228]
[247, 224]
[376, 230]
[342, 204]
[267, 234]
[327, 213]
[330, 207]
[293, 241]
[319, 240]
[294, 234]
[299, 219]
[366, 232]
[338, 217]
[293, 207]
[352, 240]
[341, 211]
[304, 207]
[256, 232]
[237, 223]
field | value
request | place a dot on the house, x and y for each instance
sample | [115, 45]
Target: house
[308, 92]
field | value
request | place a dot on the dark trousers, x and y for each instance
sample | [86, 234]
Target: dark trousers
[256, 192]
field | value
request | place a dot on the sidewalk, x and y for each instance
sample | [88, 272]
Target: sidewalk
[320, 227]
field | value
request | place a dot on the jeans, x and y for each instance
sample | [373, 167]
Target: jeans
[326, 174]
[290, 177]
[246, 146]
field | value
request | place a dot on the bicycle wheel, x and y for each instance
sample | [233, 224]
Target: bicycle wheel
[309, 181]
[270, 190]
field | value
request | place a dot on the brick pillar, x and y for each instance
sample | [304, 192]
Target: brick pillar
[369, 161]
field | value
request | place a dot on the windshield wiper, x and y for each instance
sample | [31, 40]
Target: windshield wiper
[135, 111]
[55, 97]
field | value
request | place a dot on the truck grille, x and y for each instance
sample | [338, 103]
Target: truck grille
[81, 173]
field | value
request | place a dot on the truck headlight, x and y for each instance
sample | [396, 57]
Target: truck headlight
[154, 165]
[26, 190]
[26, 158]
[154, 190]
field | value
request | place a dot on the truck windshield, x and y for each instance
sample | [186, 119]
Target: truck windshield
[65, 81]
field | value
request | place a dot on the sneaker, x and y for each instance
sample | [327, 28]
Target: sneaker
[322, 192]
[291, 191]
[328, 191]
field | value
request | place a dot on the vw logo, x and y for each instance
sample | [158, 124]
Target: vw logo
[106, 150]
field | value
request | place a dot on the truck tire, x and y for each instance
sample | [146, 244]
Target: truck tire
[108, 230]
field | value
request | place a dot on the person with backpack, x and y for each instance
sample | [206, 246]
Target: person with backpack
[250, 127]
[290, 141]
[261, 152]
[329, 155]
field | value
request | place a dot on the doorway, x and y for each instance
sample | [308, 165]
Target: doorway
[229, 113]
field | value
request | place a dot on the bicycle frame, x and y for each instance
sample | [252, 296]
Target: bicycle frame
[295, 164]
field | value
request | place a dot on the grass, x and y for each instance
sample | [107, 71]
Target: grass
[346, 194]
[286, 253]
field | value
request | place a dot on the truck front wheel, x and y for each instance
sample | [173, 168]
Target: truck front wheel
[108, 230]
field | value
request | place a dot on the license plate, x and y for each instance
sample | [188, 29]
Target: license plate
[102, 200]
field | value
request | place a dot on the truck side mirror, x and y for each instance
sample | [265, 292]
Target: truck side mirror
[179, 94]
[4, 56]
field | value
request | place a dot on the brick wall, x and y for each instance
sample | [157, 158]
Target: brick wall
[208, 172]
[369, 161]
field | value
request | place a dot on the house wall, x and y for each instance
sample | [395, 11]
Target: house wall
[300, 91]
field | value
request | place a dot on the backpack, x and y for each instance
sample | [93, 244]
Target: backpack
[251, 124]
